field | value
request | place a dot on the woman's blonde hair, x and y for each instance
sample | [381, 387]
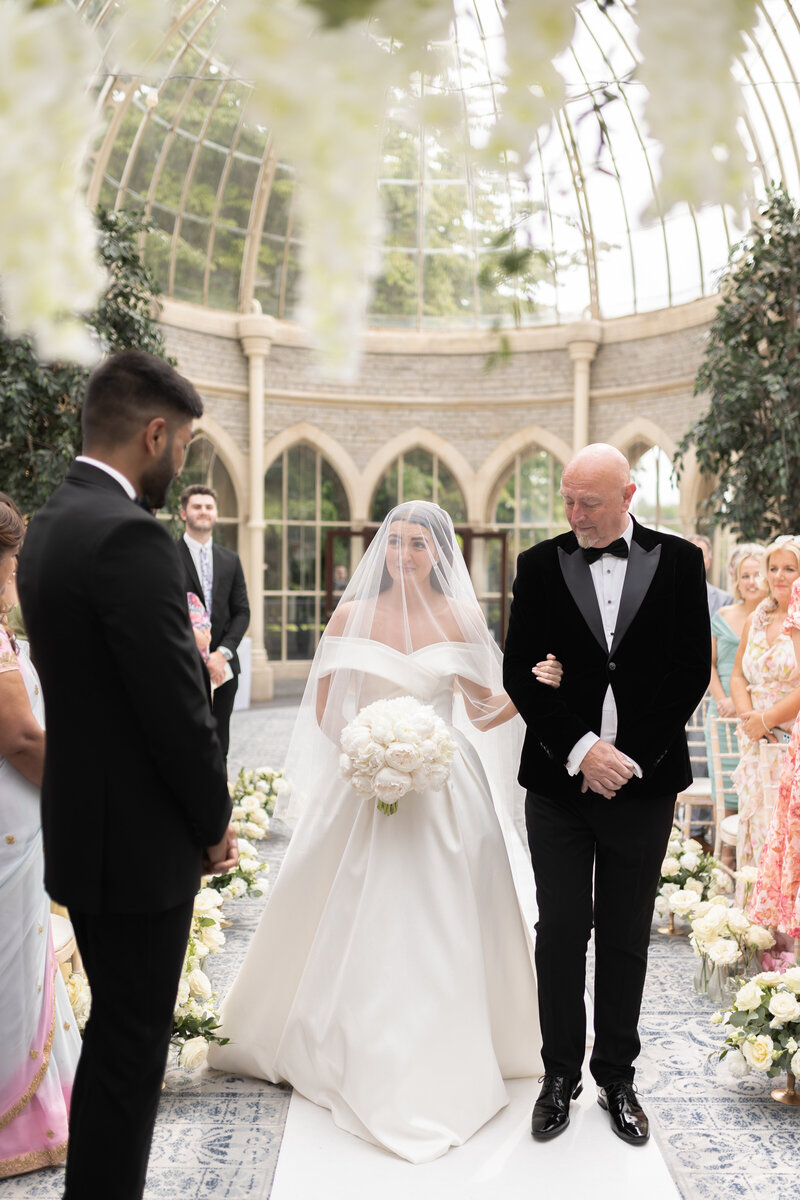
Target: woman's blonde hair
[788, 542]
[738, 556]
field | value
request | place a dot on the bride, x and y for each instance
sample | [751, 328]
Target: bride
[391, 978]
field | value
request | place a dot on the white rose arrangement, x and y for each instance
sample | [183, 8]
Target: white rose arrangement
[689, 876]
[762, 1025]
[195, 1019]
[724, 938]
[393, 747]
[253, 794]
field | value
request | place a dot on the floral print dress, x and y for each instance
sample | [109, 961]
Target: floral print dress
[772, 673]
[776, 896]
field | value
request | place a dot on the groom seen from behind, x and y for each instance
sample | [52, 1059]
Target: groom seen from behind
[624, 609]
[135, 798]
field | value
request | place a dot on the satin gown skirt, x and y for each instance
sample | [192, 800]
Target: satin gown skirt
[391, 978]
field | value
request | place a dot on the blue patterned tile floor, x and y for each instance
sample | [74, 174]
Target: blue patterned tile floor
[218, 1136]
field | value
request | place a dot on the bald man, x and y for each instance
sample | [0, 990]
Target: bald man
[624, 609]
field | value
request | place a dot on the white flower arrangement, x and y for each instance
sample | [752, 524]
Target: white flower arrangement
[80, 998]
[243, 880]
[253, 795]
[762, 1025]
[195, 1018]
[393, 747]
[689, 876]
[725, 938]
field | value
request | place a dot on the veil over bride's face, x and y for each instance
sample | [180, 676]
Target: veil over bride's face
[410, 554]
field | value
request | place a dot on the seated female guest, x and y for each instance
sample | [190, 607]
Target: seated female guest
[749, 589]
[40, 1044]
[765, 687]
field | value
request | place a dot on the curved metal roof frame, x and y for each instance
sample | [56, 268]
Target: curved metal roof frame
[226, 213]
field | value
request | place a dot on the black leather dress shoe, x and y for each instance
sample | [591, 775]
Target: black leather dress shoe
[628, 1118]
[551, 1110]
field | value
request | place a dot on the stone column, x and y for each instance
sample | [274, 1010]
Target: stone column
[583, 338]
[256, 333]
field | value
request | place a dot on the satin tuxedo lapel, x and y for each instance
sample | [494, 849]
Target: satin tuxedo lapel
[642, 566]
[578, 579]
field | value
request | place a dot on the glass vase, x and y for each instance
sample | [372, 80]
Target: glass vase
[713, 981]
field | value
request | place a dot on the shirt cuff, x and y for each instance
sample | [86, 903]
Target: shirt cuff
[225, 652]
[579, 752]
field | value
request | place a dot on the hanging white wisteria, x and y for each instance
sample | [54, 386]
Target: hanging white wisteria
[49, 264]
[322, 73]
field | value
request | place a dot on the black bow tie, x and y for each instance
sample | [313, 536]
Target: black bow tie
[619, 549]
[144, 502]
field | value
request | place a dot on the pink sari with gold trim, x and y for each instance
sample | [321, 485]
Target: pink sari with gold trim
[40, 1044]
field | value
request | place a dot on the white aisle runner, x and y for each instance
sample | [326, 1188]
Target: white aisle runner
[501, 1161]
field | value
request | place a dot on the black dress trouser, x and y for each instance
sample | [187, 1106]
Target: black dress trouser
[596, 861]
[222, 707]
[133, 963]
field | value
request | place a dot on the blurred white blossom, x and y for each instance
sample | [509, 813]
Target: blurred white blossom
[687, 51]
[49, 265]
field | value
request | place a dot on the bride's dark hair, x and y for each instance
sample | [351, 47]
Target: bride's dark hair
[439, 529]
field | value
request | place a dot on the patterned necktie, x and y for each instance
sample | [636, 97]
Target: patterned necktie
[619, 549]
[205, 575]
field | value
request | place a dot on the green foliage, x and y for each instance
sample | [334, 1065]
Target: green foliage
[748, 440]
[40, 402]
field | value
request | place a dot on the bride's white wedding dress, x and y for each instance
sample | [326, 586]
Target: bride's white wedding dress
[391, 978]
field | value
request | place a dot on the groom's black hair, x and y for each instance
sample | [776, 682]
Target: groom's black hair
[126, 391]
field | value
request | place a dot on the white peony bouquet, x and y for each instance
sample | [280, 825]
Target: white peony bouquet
[393, 747]
[763, 1025]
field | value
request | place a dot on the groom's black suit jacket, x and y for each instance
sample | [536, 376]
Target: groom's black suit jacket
[135, 785]
[658, 666]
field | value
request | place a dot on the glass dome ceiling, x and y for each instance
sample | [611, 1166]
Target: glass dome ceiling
[220, 193]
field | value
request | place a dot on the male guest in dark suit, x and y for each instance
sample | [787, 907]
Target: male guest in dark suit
[135, 799]
[624, 609]
[215, 574]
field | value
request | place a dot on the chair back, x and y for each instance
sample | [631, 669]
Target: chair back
[725, 751]
[696, 739]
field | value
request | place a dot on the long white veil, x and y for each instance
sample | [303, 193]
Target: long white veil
[410, 590]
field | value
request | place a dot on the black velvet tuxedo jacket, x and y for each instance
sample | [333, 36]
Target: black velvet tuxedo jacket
[230, 610]
[135, 785]
[658, 667]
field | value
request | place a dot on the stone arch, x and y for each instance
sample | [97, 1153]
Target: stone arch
[328, 447]
[413, 439]
[490, 474]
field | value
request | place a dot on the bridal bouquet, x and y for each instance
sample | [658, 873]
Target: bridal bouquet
[393, 747]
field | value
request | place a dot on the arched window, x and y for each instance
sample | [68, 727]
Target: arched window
[418, 475]
[203, 465]
[529, 507]
[303, 499]
[657, 498]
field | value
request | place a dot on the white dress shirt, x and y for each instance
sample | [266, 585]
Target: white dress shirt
[195, 549]
[112, 471]
[608, 577]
